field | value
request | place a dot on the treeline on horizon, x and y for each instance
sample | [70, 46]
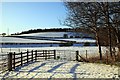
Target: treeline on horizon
[84, 30]
[48, 30]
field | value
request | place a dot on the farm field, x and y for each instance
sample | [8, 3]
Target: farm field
[64, 67]
[60, 36]
[11, 42]
[60, 40]
[22, 40]
[53, 34]
[91, 50]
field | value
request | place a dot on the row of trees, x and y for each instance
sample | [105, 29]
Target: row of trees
[3, 34]
[44, 30]
[103, 18]
[54, 30]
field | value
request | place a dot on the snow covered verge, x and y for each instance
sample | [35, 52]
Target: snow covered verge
[63, 69]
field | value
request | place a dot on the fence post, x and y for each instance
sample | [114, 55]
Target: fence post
[14, 60]
[107, 57]
[45, 54]
[86, 54]
[36, 55]
[1, 50]
[27, 56]
[10, 49]
[54, 54]
[32, 55]
[21, 59]
[10, 61]
[77, 53]
[18, 50]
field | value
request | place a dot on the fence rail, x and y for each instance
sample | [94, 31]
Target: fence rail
[19, 59]
[3, 62]
[15, 60]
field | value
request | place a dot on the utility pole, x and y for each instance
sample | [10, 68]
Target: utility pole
[8, 31]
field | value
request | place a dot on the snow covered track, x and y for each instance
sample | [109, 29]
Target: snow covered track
[63, 69]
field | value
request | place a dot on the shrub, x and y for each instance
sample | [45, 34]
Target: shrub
[65, 36]
[71, 36]
[58, 57]
[86, 44]
[67, 44]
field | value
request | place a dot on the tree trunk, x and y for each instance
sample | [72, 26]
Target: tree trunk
[100, 51]
[119, 52]
[110, 43]
[118, 45]
[99, 46]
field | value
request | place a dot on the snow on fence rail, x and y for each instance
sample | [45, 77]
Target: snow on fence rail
[14, 60]
[24, 56]
[19, 59]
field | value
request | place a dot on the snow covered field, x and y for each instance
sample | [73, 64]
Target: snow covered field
[68, 52]
[53, 34]
[57, 35]
[79, 40]
[45, 39]
[63, 69]
[16, 42]
[21, 40]
[46, 34]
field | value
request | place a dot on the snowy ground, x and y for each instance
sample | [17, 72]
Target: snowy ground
[47, 34]
[47, 39]
[92, 50]
[22, 40]
[63, 69]
[79, 40]
[59, 68]
[53, 34]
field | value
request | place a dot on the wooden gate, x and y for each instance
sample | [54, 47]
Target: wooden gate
[19, 59]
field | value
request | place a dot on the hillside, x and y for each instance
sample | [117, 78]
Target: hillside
[22, 40]
[48, 39]
[57, 34]
[79, 30]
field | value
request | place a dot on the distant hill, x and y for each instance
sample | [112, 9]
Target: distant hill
[49, 35]
[83, 30]
[44, 30]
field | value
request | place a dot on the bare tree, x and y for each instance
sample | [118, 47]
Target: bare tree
[85, 15]
[95, 16]
[111, 17]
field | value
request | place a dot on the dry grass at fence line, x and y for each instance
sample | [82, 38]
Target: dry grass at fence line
[106, 59]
